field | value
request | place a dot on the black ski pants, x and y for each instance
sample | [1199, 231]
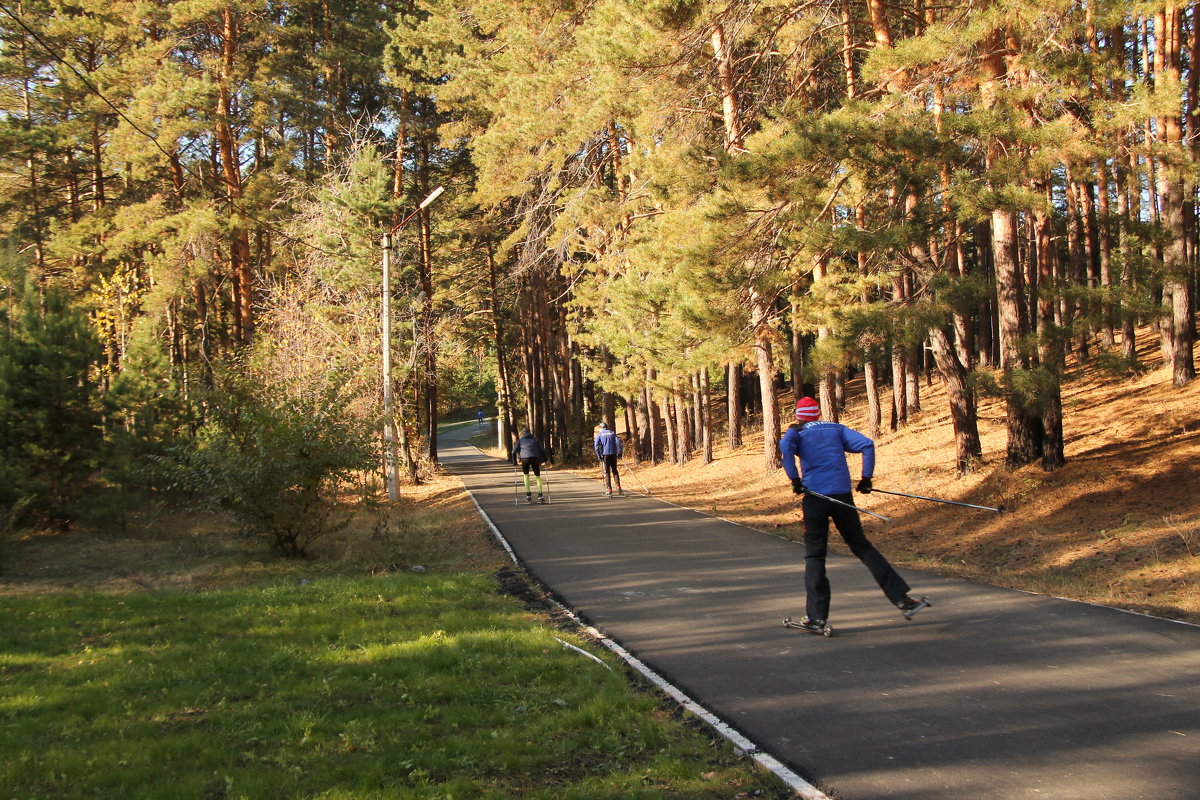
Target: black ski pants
[817, 513]
[610, 470]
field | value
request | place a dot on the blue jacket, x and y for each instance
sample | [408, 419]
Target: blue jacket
[821, 447]
[607, 443]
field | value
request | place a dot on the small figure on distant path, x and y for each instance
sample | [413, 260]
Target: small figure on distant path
[821, 448]
[529, 451]
[479, 418]
[608, 450]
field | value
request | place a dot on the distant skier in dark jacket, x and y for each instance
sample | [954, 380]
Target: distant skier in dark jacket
[821, 448]
[608, 450]
[529, 451]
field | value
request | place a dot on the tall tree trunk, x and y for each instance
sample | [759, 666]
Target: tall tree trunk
[733, 404]
[1023, 437]
[608, 400]
[683, 430]
[914, 362]
[398, 191]
[879, 23]
[899, 368]
[505, 433]
[874, 409]
[239, 244]
[31, 163]
[967, 447]
[828, 396]
[729, 102]
[1127, 211]
[1050, 351]
[1076, 259]
[705, 412]
[634, 425]
[797, 347]
[203, 347]
[1108, 338]
[870, 367]
[827, 380]
[900, 362]
[671, 419]
[529, 364]
[655, 422]
[1168, 26]
[759, 317]
[697, 403]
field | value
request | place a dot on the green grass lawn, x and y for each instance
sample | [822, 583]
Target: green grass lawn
[401, 686]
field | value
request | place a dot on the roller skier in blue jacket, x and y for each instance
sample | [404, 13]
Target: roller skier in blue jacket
[608, 450]
[821, 448]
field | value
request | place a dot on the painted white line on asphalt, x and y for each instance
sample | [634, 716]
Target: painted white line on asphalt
[495, 531]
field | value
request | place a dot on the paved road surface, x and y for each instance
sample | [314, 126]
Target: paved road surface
[992, 694]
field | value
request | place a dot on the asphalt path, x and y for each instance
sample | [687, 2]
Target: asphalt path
[991, 694]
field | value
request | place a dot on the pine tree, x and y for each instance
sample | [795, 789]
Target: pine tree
[49, 421]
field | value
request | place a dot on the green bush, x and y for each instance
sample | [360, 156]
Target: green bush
[276, 459]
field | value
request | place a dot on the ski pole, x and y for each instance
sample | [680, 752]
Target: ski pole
[516, 482]
[999, 510]
[847, 505]
[629, 467]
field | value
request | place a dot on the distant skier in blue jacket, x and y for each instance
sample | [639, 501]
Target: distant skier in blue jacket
[608, 450]
[821, 448]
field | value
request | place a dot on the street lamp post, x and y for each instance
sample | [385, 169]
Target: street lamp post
[390, 457]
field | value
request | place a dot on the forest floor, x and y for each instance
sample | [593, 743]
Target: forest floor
[1119, 525]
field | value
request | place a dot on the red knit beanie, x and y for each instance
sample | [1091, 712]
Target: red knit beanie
[807, 409]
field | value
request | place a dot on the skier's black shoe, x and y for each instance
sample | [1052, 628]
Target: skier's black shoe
[541, 499]
[528, 499]
[810, 625]
[908, 606]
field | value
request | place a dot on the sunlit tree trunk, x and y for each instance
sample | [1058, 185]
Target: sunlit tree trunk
[1177, 325]
[227, 146]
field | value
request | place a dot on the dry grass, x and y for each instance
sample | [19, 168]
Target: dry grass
[433, 525]
[1119, 525]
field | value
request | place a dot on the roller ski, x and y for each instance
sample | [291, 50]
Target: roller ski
[909, 607]
[541, 499]
[528, 499]
[816, 626]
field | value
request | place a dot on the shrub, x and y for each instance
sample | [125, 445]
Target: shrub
[275, 460]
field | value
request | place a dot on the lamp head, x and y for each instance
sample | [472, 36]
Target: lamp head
[432, 196]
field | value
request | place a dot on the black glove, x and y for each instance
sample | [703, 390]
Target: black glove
[864, 486]
[798, 486]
